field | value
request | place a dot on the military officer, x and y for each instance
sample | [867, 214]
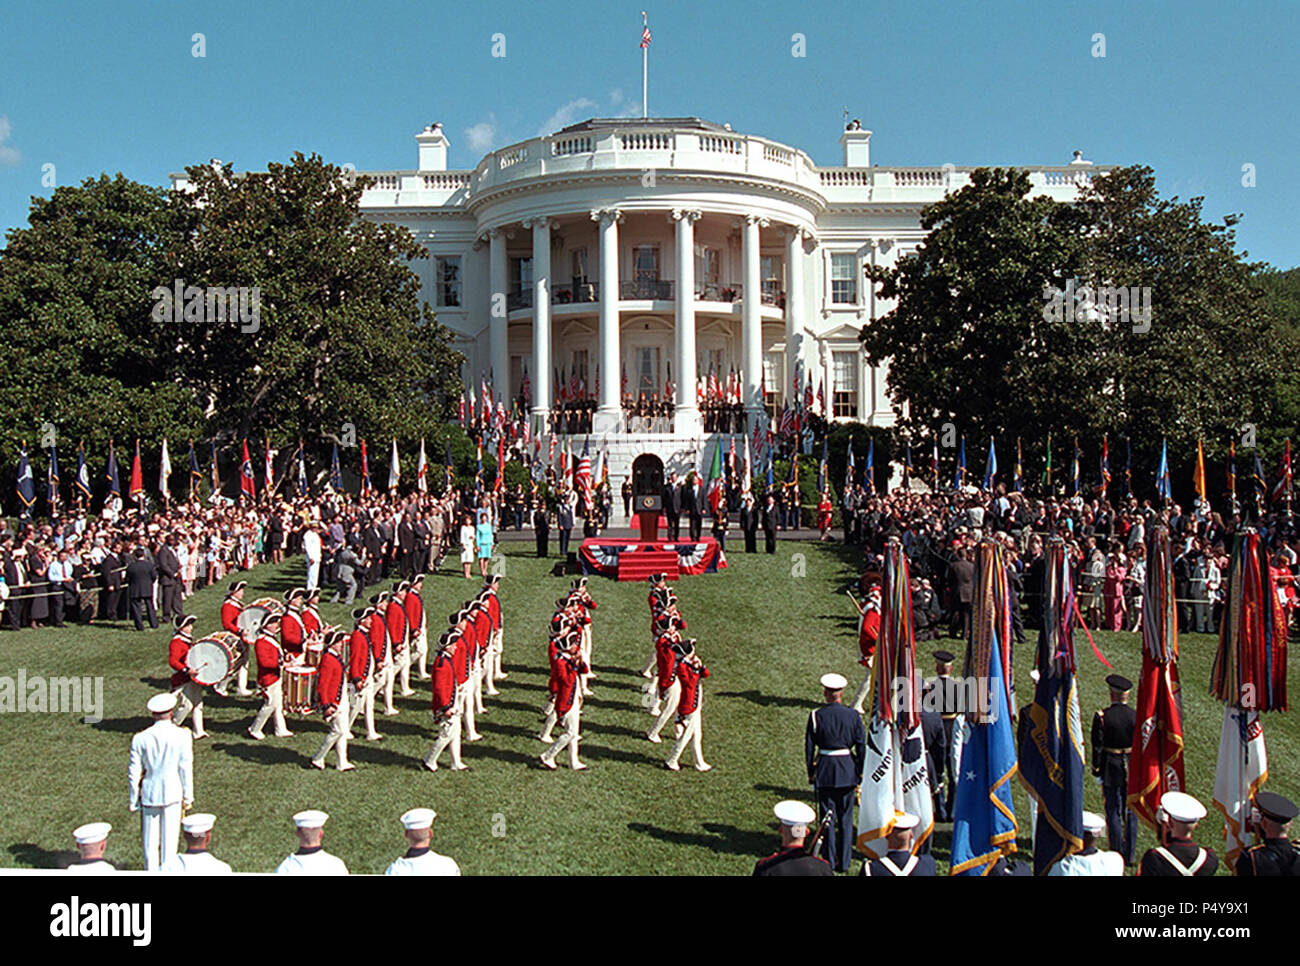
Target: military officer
[161, 780]
[1090, 860]
[311, 857]
[1178, 814]
[791, 858]
[835, 746]
[419, 858]
[941, 695]
[1112, 741]
[1277, 854]
[196, 859]
[92, 840]
[899, 860]
[189, 693]
[332, 697]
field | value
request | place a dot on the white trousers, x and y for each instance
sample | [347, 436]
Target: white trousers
[422, 653]
[446, 733]
[572, 725]
[339, 733]
[313, 574]
[403, 670]
[548, 718]
[861, 696]
[465, 702]
[670, 700]
[189, 700]
[160, 831]
[690, 733]
[272, 710]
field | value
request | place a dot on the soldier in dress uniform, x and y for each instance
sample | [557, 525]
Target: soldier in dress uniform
[189, 693]
[1277, 855]
[377, 631]
[332, 698]
[1179, 814]
[691, 672]
[419, 858]
[941, 695]
[868, 634]
[231, 608]
[835, 746]
[399, 635]
[1090, 860]
[196, 859]
[667, 687]
[269, 661]
[899, 860]
[293, 635]
[417, 621]
[568, 703]
[161, 781]
[491, 596]
[446, 706]
[361, 674]
[1112, 742]
[92, 840]
[792, 858]
[311, 857]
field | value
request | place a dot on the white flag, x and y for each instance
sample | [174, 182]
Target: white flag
[894, 780]
[1242, 769]
[394, 469]
[165, 472]
[748, 477]
[421, 471]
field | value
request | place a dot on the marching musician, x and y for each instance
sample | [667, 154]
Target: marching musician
[656, 599]
[471, 698]
[483, 649]
[332, 698]
[196, 859]
[293, 635]
[445, 707]
[568, 701]
[493, 673]
[420, 859]
[398, 636]
[231, 608]
[561, 624]
[361, 674]
[457, 629]
[691, 672]
[418, 625]
[311, 857]
[313, 627]
[189, 694]
[377, 631]
[868, 634]
[578, 590]
[270, 659]
[667, 686]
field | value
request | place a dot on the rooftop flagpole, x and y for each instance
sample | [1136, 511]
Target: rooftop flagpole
[645, 46]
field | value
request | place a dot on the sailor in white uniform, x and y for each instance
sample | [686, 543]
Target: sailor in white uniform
[311, 857]
[1090, 861]
[92, 840]
[161, 780]
[196, 859]
[419, 858]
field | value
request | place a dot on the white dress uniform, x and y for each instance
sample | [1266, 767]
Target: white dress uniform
[1093, 862]
[423, 862]
[98, 867]
[312, 862]
[161, 777]
[91, 834]
[196, 863]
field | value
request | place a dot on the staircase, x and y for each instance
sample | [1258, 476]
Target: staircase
[640, 564]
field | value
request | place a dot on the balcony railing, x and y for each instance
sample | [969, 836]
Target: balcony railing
[657, 290]
[654, 289]
[519, 299]
[575, 292]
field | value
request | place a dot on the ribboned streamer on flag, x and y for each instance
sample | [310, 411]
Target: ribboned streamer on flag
[849, 467]
[196, 474]
[82, 480]
[984, 819]
[1051, 737]
[25, 486]
[869, 475]
[302, 471]
[52, 482]
[1163, 487]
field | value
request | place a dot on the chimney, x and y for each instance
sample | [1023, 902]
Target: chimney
[433, 148]
[856, 142]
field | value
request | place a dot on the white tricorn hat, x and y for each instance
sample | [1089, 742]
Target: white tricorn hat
[792, 813]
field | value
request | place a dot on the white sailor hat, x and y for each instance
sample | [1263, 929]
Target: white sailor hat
[91, 832]
[1094, 823]
[198, 823]
[792, 813]
[311, 818]
[161, 703]
[834, 682]
[906, 820]
[1181, 807]
[1034, 675]
[418, 818]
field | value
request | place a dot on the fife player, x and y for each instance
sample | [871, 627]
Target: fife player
[332, 697]
[445, 705]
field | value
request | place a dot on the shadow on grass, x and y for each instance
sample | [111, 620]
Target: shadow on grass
[33, 856]
[714, 837]
[478, 750]
[122, 726]
[799, 793]
[262, 752]
[755, 696]
[602, 753]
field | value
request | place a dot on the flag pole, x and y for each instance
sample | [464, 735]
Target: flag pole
[645, 48]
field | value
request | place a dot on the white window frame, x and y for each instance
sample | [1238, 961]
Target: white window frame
[458, 284]
[856, 278]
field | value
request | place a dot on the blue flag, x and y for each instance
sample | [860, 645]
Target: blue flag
[336, 471]
[849, 467]
[196, 474]
[26, 488]
[1051, 742]
[1162, 474]
[52, 481]
[869, 476]
[990, 466]
[82, 481]
[114, 484]
[960, 477]
[770, 481]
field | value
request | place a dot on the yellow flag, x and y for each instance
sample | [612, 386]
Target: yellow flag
[1198, 480]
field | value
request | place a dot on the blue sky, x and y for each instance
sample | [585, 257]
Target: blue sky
[1195, 89]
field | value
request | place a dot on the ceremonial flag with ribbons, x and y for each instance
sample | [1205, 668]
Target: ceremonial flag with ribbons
[895, 779]
[422, 470]
[822, 469]
[25, 486]
[247, 484]
[336, 471]
[1103, 475]
[907, 465]
[1156, 763]
[449, 471]
[1051, 736]
[771, 484]
[849, 468]
[747, 480]
[1282, 488]
[1047, 467]
[365, 470]
[582, 474]
[714, 492]
[1163, 486]
[960, 477]
[869, 474]
[216, 475]
[1257, 485]
[478, 466]
[268, 460]
[499, 484]
[1075, 474]
[990, 466]
[164, 470]
[196, 474]
[984, 819]
[1240, 772]
[302, 471]
[137, 475]
[394, 468]
[52, 479]
[110, 472]
[82, 480]
[1198, 474]
[1231, 481]
[1018, 477]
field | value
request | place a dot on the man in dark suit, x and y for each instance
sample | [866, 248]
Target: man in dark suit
[673, 506]
[372, 538]
[140, 575]
[541, 529]
[406, 541]
[769, 515]
[834, 747]
[169, 579]
[962, 581]
[111, 572]
[564, 522]
[693, 505]
[749, 515]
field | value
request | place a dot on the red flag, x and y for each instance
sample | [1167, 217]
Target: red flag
[365, 470]
[247, 485]
[460, 410]
[582, 476]
[137, 475]
[270, 468]
[501, 463]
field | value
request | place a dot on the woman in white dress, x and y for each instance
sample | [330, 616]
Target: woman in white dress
[467, 545]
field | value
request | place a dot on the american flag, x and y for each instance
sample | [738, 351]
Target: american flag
[645, 31]
[582, 475]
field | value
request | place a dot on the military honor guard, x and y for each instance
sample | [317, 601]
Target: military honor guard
[189, 693]
[658, 599]
[691, 673]
[231, 608]
[461, 632]
[568, 702]
[446, 706]
[667, 686]
[312, 625]
[361, 674]
[92, 841]
[382, 626]
[270, 659]
[1276, 855]
[899, 860]
[377, 632]
[868, 634]
[1112, 742]
[417, 621]
[196, 859]
[1177, 855]
[562, 625]
[332, 698]
[293, 633]
[399, 633]
[792, 858]
[311, 857]
[578, 591]
[161, 781]
[1090, 860]
[482, 625]
[420, 859]
[472, 691]
[941, 694]
[492, 584]
[835, 746]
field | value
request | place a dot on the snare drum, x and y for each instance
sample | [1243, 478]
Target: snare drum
[299, 688]
[211, 659]
[313, 653]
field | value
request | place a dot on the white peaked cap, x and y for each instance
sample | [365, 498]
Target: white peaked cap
[1092, 822]
[790, 812]
[1182, 807]
[91, 832]
[834, 682]
[311, 818]
[418, 818]
[198, 823]
[161, 703]
[906, 821]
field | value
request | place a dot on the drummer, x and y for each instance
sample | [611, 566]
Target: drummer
[189, 693]
[293, 634]
[312, 625]
[231, 608]
[270, 659]
[332, 698]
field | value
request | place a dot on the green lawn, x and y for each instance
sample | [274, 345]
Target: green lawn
[768, 627]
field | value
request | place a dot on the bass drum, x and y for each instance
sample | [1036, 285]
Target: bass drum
[211, 659]
[251, 617]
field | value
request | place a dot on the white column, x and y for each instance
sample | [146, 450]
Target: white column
[609, 409]
[498, 314]
[751, 331]
[794, 307]
[541, 362]
[686, 417]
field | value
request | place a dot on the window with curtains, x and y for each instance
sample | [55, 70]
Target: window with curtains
[844, 371]
[446, 281]
[580, 367]
[521, 274]
[769, 267]
[844, 278]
